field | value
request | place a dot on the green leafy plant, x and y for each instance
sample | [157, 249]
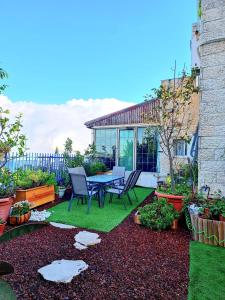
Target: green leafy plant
[91, 152]
[25, 179]
[1, 221]
[20, 208]
[158, 215]
[7, 186]
[94, 167]
[74, 161]
[215, 208]
[182, 189]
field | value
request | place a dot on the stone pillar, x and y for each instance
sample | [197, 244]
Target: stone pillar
[212, 85]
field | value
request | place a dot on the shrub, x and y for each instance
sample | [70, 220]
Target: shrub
[158, 215]
[94, 167]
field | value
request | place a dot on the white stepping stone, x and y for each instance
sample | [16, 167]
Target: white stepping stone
[79, 246]
[39, 215]
[61, 225]
[85, 239]
[62, 270]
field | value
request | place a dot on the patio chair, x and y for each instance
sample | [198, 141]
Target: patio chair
[81, 171]
[120, 192]
[77, 170]
[118, 171]
[133, 182]
[81, 190]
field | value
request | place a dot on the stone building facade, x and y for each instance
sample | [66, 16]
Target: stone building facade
[212, 107]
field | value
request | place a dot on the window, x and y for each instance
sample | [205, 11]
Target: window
[146, 151]
[180, 148]
[105, 141]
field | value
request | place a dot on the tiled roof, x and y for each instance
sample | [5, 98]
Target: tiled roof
[132, 115]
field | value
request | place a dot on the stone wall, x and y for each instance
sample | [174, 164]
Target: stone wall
[212, 107]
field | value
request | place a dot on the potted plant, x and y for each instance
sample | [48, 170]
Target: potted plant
[158, 215]
[36, 186]
[20, 213]
[6, 193]
[176, 197]
[172, 122]
[2, 226]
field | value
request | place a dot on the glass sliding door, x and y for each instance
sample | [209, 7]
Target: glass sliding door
[105, 141]
[126, 148]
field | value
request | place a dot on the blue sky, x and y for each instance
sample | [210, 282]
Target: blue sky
[58, 50]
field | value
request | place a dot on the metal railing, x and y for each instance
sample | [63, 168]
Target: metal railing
[49, 162]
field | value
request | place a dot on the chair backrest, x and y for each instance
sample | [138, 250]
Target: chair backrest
[118, 171]
[135, 178]
[77, 170]
[79, 184]
[128, 182]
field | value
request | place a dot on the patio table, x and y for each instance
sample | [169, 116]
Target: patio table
[102, 181]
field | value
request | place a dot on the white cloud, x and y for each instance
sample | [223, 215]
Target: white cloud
[48, 125]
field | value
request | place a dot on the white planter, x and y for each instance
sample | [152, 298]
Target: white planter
[61, 192]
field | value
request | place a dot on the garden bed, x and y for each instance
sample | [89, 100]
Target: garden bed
[131, 262]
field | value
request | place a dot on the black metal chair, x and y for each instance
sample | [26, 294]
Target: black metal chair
[133, 182]
[122, 191]
[81, 190]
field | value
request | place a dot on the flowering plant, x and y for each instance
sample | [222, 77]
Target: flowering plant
[20, 208]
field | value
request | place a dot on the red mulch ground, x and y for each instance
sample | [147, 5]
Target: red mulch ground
[131, 262]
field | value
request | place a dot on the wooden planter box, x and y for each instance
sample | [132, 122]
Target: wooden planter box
[37, 196]
[207, 231]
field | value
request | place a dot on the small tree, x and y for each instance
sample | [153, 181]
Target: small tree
[171, 117]
[91, 152]
[68, 147]
[56, 150]
[10, 133]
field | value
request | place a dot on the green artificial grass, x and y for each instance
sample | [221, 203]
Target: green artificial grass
[101, 219]
[207, 272]
[21, 230]
[6, 292]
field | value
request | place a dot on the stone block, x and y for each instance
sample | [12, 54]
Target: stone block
[212, 4]
[206, 154]
[210, 48]
[213, 84]
[212, 165]
[212, 142]
[212, 30]
[214, 72]
[212, 60]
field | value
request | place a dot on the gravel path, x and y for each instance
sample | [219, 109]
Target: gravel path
[131, 262]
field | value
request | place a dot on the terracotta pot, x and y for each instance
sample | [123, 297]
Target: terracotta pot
[137, 218]
[174, 225]
[177, 201]
[222, 218]
[17, 220]
[2, 228]
[5, 205]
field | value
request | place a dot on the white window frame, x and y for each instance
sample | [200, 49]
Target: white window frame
[185, 148]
